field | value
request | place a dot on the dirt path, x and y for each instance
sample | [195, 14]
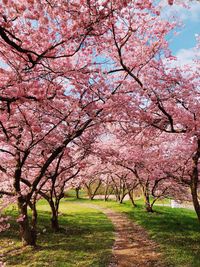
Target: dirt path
[132, 246]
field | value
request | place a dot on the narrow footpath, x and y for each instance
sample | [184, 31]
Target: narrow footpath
[132, 246]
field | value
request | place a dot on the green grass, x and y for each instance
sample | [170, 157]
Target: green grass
[87, 235]
[177, 231]
[85, 240]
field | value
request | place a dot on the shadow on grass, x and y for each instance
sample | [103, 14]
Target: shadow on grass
[84, 240]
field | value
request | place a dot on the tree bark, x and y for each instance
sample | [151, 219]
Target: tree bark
[89, 193]
[194, 192]
[122, 198]
[77, 192]
[27, 235]
[148, 205]
[106, 193]
[54, 223]
[194, 181]
[130, 193]
[54, 217]
[34, 220]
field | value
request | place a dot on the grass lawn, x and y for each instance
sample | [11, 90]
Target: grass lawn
[86, 239]
[176, 230]
[87, 236]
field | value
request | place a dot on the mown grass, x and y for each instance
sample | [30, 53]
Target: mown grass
[87, 235]
[85, 240]
[177, 231]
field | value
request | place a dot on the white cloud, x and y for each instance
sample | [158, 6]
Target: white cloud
[186, 56]
[192, 13]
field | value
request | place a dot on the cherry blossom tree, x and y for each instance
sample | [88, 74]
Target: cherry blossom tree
[161, 96]
[53, 187]
[144, 159]
[67, 67]
[177, 113]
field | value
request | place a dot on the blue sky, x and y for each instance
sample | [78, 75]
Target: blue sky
[183, 44]
[186, 38]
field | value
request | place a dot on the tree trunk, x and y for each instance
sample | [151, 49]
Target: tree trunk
[96, 189]
[194, 187]
[133, 202]
[117, 197]
[77, 192]
[54, 217]
[54, 223]
[145, 190]
[131, 198]
[106, 197]
[106, 193]
[194, 181]
[89, 193]
[34, 220]
[27, 235]
[148, 205]
[122, 198]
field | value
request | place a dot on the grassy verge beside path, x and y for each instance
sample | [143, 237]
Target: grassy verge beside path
[87, 236]
[177, 231]
[85, 240]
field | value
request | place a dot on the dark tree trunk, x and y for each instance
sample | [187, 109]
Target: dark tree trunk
[27, 235]
[92, 196]
[96, 190]
[122, 198]
[106, 197]
[54, 217]
[54, 223]
[194, 181]
[106, 193]
[130, 193]
[118, 197]
[77, 192]
[148, 205]
[194, 192]
[34, 220]
[89, 193]
[149, 208]
[145, 190]
[133, 202]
